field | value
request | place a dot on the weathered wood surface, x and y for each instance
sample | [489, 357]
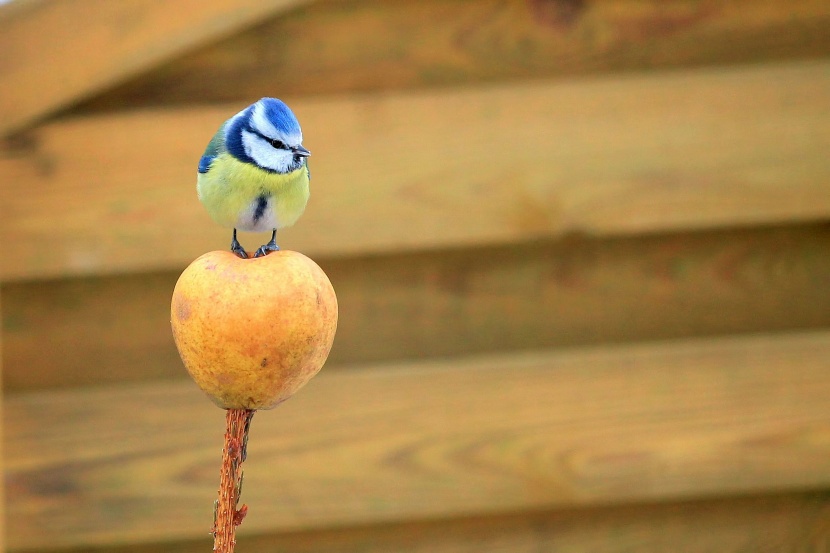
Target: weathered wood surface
[468, 167]
[533, 205]
[575, 292]
[456, 438]
[360, 45]
[779, 523]
[57, 52]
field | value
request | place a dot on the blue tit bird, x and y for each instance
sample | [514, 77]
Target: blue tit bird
[254, 174]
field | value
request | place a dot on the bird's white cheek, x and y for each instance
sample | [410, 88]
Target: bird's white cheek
[264, 154]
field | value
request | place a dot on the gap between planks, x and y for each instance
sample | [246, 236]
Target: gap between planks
[773, 522]
[573, 292]
[382, 46]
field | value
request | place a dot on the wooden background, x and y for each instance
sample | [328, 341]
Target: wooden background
[581, 249]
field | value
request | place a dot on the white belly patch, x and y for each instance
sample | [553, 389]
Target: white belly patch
[259, 216]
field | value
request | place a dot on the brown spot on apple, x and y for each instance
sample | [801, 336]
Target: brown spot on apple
[181, 308]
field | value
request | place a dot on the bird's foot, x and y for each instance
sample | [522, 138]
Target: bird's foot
[237, 248]
[240, 251]
[271, 246]
[265, 249]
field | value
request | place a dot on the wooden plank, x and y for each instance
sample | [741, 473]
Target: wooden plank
[429, 440]
[2, 450]
[575, 292]
[360, 45]
[793, 522]
[57, 52]
[505, 164]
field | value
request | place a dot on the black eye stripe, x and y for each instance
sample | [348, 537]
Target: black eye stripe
[278, 144]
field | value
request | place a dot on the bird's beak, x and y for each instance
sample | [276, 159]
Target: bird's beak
[300, 151]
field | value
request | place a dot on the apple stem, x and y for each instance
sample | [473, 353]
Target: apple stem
[226, 515]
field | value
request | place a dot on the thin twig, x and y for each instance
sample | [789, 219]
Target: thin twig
[227, 516]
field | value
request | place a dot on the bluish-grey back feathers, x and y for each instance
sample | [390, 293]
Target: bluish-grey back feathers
[214, 148]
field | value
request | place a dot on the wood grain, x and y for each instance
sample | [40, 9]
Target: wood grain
[455, 438]
[506, 164]
[780, 523]
[579, 291]
[61, 51]
[360, 45]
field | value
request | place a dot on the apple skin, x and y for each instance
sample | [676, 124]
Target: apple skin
[251, 332]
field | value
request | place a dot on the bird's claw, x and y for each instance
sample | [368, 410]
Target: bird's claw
[266, 249]
[237, 248]
[271, 246]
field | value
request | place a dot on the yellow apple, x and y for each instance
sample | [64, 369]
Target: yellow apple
[251, 332]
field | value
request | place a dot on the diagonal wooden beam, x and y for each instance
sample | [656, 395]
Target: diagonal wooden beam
[60, 51]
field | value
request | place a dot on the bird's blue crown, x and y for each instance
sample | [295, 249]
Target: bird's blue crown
[265, 134]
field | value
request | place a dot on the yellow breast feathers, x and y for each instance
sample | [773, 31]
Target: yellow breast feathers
[243, 196]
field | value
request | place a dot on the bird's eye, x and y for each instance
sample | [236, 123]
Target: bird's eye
[278, 144]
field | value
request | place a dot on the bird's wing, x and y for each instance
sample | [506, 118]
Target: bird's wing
[215, 147]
